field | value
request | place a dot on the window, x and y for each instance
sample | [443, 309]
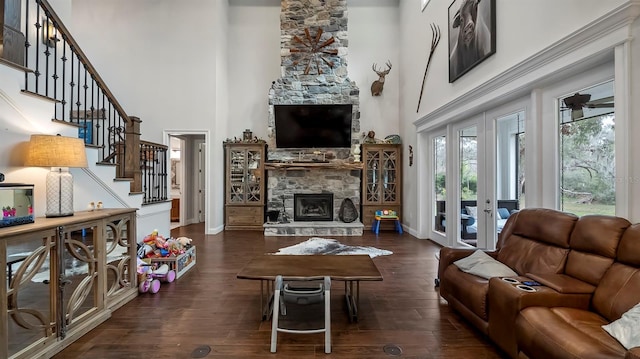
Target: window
[587, 156]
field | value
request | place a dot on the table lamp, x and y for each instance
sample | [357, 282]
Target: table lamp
[59, 153]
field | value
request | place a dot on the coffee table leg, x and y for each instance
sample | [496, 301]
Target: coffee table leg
[266, 293]
[352, 297]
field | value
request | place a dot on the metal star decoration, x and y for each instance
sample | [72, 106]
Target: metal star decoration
[313, 50]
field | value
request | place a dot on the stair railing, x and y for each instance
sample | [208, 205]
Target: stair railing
[61, 71]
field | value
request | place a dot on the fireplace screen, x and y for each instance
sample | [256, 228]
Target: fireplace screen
[313, 207]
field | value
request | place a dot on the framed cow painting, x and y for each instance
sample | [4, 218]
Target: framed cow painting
[472, 34]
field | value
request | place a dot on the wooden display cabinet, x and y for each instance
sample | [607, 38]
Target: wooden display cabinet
[381, 181]
[244, 185]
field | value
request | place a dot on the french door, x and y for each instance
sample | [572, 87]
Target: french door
[478, 176]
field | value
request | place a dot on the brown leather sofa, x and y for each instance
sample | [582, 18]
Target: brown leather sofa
[584, 275]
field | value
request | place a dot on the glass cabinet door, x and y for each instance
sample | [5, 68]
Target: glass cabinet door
[245, 174]
[389, 166]
[253, 174]
[237, 165]
[373, 176]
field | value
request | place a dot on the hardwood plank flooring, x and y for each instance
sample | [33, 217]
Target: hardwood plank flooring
[209, 306]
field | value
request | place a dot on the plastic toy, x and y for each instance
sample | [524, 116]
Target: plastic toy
[150, 276]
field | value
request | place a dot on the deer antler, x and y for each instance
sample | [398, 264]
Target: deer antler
[435, 39]
[380, 72]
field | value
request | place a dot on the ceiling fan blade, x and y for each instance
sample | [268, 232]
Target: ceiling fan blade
[599, 105]
[602, 100]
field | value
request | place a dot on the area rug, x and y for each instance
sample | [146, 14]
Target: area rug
[317, 245]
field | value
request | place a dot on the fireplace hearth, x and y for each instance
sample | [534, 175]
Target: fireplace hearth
[312, 207]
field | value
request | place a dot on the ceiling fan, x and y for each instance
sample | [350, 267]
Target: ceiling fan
[577, 102]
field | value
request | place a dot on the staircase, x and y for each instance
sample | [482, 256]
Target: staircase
[48, 86]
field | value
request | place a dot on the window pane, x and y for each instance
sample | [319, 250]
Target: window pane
[587, 176]
[439, 173]
[469, 185]
[509, 167]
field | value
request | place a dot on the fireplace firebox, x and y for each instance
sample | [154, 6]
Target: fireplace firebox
[313, 207]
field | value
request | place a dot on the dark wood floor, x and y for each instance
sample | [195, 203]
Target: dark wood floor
[209, 307]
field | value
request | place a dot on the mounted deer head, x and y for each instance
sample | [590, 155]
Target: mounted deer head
[378, 85]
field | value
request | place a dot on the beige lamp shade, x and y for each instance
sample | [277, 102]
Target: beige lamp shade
[56, 151]
[59, 153]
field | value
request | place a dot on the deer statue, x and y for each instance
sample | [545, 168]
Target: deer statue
[378, 85]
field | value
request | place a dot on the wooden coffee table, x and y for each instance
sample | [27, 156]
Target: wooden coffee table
[352, 269]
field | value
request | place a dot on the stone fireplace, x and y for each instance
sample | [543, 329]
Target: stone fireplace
[313, 207]
[314, 47]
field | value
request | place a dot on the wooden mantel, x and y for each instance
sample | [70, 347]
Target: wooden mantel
[337, 165]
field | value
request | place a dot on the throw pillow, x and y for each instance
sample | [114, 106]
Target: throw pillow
[481, 264]
[503, 213]
[626, 329]
[472, 211]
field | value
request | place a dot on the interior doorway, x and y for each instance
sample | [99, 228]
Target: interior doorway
[187, 178]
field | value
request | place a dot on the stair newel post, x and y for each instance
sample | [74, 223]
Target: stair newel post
[132, 153]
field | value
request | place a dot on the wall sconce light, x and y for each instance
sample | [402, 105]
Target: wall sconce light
[49, 33]
[410, 155]
[59, 153]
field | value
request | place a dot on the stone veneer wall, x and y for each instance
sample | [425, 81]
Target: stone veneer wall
[323, 85]
[282, 184]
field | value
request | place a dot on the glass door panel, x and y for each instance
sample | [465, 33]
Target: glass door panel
[509, 178]
[468, 152]
[439, 183]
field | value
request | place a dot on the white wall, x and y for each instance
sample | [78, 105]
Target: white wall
[159, 59]
[523, 28]
[165, 65]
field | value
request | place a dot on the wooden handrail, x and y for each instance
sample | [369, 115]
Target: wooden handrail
[66, 35]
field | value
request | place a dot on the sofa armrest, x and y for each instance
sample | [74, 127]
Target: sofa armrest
[506, 301]
[449, 255]
[563, 283]
[633, 353]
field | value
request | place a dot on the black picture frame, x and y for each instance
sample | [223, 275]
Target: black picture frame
[481, 42]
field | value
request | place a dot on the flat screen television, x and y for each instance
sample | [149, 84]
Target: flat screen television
[313, 126]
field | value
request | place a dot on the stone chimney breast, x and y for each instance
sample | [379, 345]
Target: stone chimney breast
[314, 47]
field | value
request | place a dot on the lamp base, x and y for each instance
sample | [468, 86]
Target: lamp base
[59, 193]
[49, 215]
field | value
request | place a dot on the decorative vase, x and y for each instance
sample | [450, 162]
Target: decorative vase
[356, 153]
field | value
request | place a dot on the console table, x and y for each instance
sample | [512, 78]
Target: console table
[67, 275]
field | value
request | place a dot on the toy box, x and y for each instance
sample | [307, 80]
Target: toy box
[181, 263]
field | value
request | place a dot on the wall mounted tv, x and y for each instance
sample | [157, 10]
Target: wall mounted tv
[313, 126]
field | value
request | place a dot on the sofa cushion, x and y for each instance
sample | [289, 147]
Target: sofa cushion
[503, 213]
[536, 240]
[562, 332]
[594, 243]
[617, 292]
[544, 225]
[472, 211]
[529, 256]
[626, 329]
[482, 265]
[629, 247]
